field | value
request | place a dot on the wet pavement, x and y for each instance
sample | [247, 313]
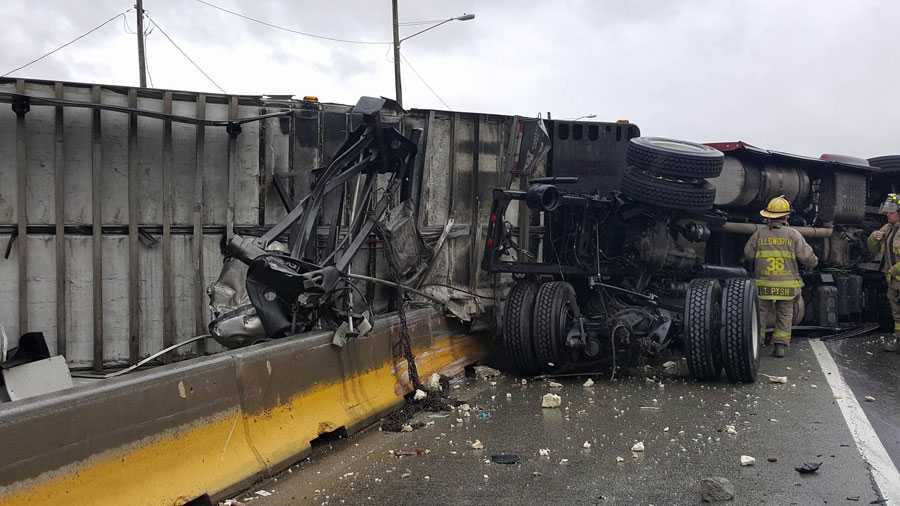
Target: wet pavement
[684, 426]
[871, 372]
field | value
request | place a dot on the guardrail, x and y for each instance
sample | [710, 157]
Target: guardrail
[212, 425]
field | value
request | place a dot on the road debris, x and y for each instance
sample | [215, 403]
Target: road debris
[869, 398]
[418, 452]
[263, 493]
[483, 372]
[638, 447]
[772, 459]
[747, 460]
[808, 467]
[419, 395]
[544, 452]
[775, 379]
[586, 445]
[729, 429]
[551, 401]
[505, 458]
[619, 460]
[477, 445]
[716, 489]
[434, 383]
[589, 383]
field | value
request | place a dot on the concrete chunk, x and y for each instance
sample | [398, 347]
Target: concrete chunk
[716, 489]
[551, 401]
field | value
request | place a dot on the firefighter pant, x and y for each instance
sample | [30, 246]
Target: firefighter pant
[784, 319]
[893, 295]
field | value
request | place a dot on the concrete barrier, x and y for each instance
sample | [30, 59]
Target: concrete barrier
[215, 424]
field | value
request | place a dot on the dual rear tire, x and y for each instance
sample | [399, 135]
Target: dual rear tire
[535, 323]
[721, 330]
[671, 174]
[721, 327]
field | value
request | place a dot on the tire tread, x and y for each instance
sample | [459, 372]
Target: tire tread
[643, 187]
[667, 163]
[700, 325]
[517, 331]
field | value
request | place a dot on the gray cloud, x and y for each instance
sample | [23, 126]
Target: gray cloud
[801, 76]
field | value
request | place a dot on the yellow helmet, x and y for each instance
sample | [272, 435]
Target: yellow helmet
[779, 207]
[891, 204]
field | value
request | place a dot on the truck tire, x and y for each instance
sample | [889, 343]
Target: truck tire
[645, 187]
[671, 157]
[517, 332]
[740, 330]
[702, 321]
[555, 308]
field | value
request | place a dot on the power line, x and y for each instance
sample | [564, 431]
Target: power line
[196, 66]
[406, 60]
[147, 57]
[128, 29]
[76, 39]
[291, 30]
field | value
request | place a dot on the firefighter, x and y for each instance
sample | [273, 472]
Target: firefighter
[775, 251]
[885, 244]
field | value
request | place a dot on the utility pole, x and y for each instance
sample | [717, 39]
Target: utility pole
[397, 86]
[142, 64]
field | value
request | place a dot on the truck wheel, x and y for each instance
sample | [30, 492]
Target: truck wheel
[645, 187]
[517, 340]
[702, 321]
[670, 157]
[555, 308]
[740, 330]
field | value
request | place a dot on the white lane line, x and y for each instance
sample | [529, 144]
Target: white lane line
[870, 447]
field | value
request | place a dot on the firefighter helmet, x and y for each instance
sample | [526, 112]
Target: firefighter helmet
[891, 204]
[779, 207]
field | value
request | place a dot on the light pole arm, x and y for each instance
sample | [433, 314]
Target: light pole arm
[429, 28]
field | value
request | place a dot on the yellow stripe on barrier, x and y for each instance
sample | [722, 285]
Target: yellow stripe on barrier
[214, 454]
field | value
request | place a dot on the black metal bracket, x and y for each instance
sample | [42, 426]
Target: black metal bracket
[21, 105]
[233, 128]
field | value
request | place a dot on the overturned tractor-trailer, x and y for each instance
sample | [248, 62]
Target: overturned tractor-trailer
[631, 246]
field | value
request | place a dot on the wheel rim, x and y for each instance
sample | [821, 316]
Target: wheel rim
[754, 334]
[566, 317]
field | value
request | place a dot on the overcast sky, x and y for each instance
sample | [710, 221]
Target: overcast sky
[803, 76]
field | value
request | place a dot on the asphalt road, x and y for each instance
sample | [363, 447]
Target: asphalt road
[871, 372]
[683, 425]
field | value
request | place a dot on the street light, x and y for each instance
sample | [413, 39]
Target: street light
[398, 40]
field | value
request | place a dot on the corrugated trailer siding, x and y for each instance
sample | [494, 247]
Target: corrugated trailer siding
[144, 290]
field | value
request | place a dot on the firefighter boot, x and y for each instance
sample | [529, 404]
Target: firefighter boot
[780, 350]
